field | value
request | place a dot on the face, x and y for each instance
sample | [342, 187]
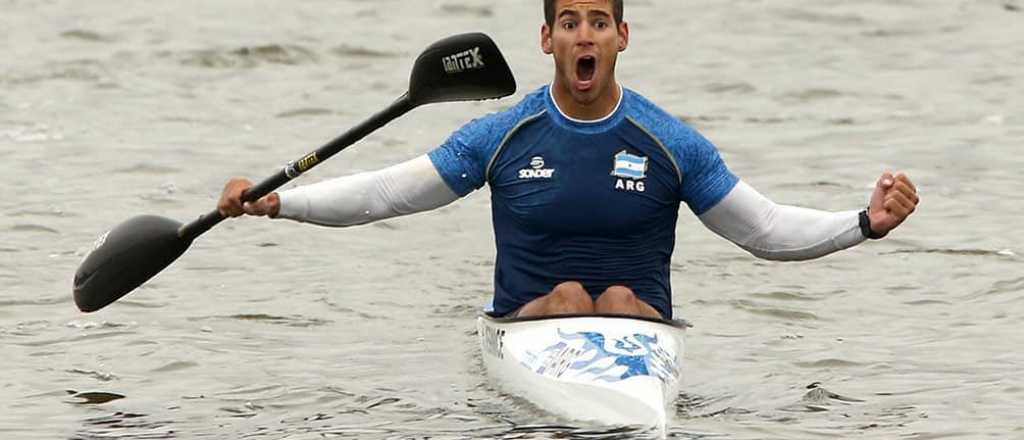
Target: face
[585, 41]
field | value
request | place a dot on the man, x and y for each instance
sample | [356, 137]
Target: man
[586, 179]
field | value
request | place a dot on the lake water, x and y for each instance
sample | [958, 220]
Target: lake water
[274, 330]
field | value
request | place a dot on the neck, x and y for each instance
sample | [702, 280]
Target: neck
[606, 102]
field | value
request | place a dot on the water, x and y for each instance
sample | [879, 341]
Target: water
[268, 329]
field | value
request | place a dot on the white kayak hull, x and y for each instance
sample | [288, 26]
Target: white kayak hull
[606, 370]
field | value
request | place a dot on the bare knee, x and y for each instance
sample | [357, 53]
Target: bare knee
[622, 300]
[571, 295]
[570, 289]
[566, 298]
[617, 294]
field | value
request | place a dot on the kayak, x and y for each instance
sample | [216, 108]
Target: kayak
[609, 370]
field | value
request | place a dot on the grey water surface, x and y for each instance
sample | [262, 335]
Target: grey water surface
[275, 330]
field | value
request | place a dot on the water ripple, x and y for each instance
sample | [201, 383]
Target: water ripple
[126, 426]
[175, 366]
[303, 112]
[31, 133]
[786, 296]
[86, 70]
[463, 9]
[740, 88]
[775, 312]
[956, 252]
[348, 310]
[34, 228]
[36, 301]
[689, 405]
[831, 19]
[147, 169]
[814, 94]
[84, 35]
[98, 375]
[94, 397]
[246, 56]
[289, 321]
[819, 399]
[52, 212]
[828, 363]
[74, 340]
[349, 51]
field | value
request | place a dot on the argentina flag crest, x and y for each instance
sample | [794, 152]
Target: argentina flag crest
[629, 166]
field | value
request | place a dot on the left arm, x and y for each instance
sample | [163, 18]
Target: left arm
[780, 232]
[737, 212]
[788, 233]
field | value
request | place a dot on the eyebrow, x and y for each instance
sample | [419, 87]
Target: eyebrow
[592, 13]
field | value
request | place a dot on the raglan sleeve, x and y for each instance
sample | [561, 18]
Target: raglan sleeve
[706, 180]
[462, 159]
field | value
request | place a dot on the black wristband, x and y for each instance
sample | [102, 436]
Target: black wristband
[865, 226]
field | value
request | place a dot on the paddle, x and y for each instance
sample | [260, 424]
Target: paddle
[459, 68]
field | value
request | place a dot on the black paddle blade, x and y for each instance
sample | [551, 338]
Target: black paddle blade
[467, 67]
[124, 258]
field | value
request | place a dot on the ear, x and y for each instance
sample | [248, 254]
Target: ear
[545, 39]
[623, 36]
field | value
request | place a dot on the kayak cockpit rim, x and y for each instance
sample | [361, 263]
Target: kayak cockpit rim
[677, 323]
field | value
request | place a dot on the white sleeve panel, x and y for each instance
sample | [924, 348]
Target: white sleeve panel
[779, 232]
[403, 189]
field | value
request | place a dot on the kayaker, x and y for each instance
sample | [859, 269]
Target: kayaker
[586, 180]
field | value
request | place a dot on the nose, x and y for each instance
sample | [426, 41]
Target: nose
[585, 34]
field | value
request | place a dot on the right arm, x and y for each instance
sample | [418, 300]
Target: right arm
[452, 170]
[407, 188]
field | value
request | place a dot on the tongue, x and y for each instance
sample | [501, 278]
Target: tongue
[585, 69]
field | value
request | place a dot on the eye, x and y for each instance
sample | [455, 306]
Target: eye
[568, 25]
[601, 25]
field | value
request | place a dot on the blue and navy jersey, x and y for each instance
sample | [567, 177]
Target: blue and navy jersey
[594, 201]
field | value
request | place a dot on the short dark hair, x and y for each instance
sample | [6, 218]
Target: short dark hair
[549, 11]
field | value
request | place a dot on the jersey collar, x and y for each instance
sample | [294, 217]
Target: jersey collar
[587, 123]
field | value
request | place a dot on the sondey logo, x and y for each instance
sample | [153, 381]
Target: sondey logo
[462, 61]
[537, 170]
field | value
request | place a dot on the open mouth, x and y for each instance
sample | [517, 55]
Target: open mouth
[585, 68]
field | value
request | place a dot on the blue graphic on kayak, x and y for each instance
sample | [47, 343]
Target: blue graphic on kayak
[634, 355]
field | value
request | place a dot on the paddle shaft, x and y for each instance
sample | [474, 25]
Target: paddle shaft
[295, 168]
